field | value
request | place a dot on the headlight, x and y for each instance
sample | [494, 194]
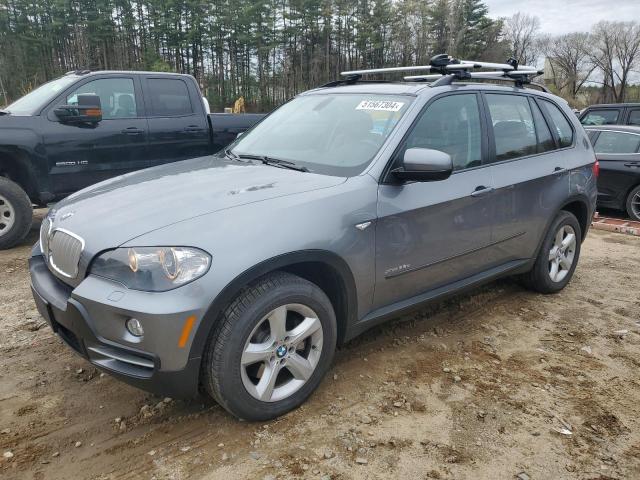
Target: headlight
[152, 269]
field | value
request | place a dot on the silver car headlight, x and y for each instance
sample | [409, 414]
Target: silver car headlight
[152, 269]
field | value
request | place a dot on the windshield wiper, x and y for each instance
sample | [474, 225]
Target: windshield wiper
[5, 112]
[276, 162]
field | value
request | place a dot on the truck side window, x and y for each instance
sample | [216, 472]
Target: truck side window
[117, 97]
[513, 127]
[169, 97]
[607, 116]
[451, 125]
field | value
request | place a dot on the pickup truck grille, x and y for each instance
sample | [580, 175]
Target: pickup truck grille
[64, 250]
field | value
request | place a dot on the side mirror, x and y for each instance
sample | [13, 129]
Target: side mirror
[424, 165]
[88, 110]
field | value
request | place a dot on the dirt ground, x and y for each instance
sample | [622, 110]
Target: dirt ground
[498, 384]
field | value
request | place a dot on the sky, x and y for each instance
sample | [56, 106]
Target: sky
[564, 16]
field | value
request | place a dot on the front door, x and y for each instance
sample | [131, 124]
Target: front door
[430, 234]
[83, 154]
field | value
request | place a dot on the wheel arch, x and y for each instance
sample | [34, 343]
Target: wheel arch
[15, 165]
[579, 207]
[326, 269]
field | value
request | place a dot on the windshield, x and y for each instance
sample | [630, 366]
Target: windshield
[337, 134]
[38, 98]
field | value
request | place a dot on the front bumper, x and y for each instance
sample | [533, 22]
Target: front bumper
[84, 324]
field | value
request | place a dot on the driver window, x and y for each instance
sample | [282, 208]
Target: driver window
[452, 125]
[117, 97]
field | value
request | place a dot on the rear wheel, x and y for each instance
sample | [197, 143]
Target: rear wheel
[271, 348]
[16, 213]
[633, 204]
[558, 256]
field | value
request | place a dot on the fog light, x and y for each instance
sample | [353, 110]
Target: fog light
[135, 327]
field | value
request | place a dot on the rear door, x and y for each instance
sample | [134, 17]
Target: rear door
[430, 234]
[82, 154]
[178, 126]
[619, 156]
[528, 169]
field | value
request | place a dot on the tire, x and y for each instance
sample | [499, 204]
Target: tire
[16, 213]
[543, 277]
[250, 326]
[633, 204]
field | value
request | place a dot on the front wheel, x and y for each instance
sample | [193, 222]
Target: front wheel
[16, 213]
[558, 256]
[271, 348]
[633, 204]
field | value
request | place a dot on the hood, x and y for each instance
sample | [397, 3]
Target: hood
[110, 213]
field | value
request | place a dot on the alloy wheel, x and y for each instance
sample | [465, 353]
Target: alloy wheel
[282, 352]
[7, 216]
[635, 205]
[562, 253]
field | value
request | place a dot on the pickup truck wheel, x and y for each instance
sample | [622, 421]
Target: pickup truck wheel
[633, 204]
[271, 348]
[16, 213]
[558, 256]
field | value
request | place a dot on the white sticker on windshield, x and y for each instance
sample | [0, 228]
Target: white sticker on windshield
[380, 105]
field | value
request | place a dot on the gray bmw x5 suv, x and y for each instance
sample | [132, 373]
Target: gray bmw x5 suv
[238, 274]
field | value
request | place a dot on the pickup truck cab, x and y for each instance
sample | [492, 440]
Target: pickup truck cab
[86, 127]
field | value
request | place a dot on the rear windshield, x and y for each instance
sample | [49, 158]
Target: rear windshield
[334, 134]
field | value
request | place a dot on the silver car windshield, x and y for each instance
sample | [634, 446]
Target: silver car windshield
[331, 134]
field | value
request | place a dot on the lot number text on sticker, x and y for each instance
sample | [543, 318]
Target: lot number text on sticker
[380, 105]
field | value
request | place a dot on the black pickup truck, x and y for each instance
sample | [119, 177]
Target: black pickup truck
[86, 127]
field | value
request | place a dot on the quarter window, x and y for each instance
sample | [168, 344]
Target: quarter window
[601, 117]
[617, 142]
[169, 97]
[545, 139]
[634, 117]
[117, 97]
[560, 123]
[452, 125]
[513, 127]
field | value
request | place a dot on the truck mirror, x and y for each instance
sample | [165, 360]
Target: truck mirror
[88, 110]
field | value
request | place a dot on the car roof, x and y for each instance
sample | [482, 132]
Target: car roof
[85, 73]
[418, 88]
[612, 105]
[615, 128]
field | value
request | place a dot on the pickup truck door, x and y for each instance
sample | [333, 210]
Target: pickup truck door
[178, 124]
[80, 155]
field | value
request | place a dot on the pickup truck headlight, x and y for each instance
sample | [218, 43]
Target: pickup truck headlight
[152, 269]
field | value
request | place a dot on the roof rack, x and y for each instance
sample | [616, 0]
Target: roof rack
[444, 69]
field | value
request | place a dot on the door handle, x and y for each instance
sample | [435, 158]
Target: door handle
[481, 191]
[132, 131]
[193, 129]
[632, 164]
[559, 170]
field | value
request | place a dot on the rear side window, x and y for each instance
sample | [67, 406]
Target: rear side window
[617, 142]
[545, 139]
[452, 125]
[607, 116]
[513, 127]
[169, 97]
[560, 123]
[634, 117]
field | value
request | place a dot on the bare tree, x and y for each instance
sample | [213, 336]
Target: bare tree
[521, 33]
[615, 53]
[568, 64]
